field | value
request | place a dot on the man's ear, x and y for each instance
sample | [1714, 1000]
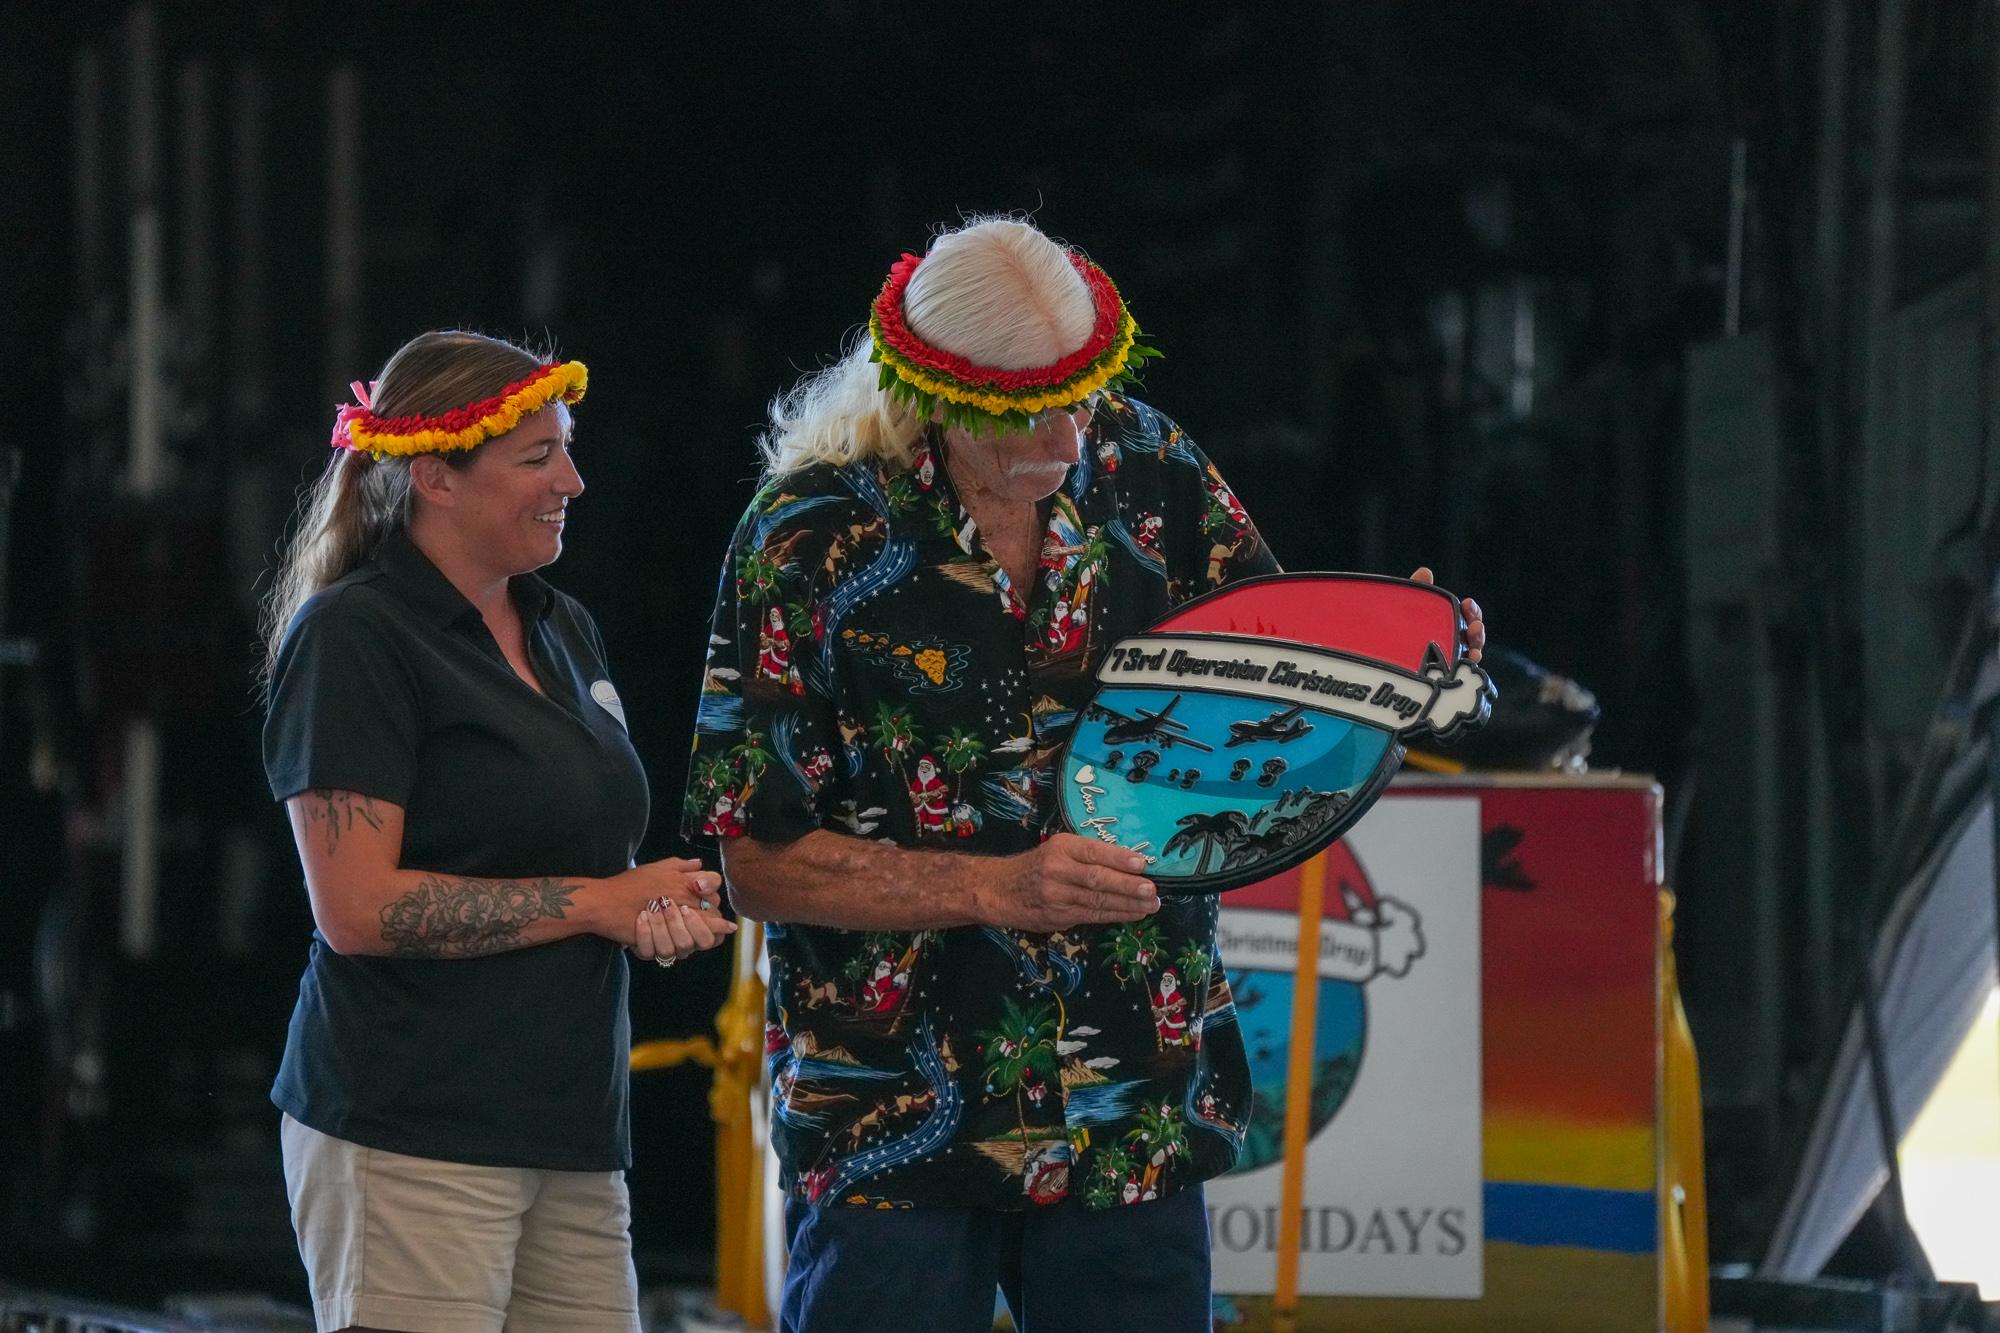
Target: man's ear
[433, 479]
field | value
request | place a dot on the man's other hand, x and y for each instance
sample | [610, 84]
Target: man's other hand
[1475, 619]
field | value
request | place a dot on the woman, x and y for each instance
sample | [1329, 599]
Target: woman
[466, 805]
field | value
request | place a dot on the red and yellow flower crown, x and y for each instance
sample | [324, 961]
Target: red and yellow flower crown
[977, 397]
[357, 427]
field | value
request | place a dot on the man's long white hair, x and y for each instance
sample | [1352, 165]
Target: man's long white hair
[995, 291]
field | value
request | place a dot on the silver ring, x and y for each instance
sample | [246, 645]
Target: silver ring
[666, 962]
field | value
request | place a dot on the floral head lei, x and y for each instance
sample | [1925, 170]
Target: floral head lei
[981, 398]
[357, 427]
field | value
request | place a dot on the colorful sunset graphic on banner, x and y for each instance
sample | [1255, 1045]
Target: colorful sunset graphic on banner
[1569, 1042]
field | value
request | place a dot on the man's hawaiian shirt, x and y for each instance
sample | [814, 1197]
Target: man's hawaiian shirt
[873, 671]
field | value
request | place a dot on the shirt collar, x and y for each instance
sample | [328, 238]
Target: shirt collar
[424, 585]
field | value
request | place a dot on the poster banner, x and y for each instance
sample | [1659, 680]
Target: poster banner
[1393, 1195]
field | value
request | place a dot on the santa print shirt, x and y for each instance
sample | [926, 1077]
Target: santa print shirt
[907, 692]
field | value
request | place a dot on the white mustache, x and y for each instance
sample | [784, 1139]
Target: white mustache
[1035, 469]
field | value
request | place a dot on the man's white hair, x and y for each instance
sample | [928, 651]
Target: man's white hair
[995, 291]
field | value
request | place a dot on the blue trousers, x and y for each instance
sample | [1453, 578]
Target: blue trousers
[1063, 1268]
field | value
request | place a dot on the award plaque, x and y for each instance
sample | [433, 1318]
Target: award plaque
[1254, 725]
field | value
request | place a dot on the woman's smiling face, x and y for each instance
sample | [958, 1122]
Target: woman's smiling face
[515, 493]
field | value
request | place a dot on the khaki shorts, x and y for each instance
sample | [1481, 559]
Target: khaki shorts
[406, 1243]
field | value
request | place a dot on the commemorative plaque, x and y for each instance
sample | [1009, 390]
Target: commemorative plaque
[1252, 726]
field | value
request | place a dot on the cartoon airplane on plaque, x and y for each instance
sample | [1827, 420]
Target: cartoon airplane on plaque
[1281, 726]
[1159, 728]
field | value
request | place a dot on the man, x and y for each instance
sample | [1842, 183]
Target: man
[971, 483]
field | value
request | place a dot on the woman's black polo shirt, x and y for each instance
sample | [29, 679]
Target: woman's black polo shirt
[389, 684]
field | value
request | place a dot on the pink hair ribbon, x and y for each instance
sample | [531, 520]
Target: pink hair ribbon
[348, 413]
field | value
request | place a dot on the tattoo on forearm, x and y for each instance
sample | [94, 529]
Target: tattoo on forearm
[464, 918]
[339, 811]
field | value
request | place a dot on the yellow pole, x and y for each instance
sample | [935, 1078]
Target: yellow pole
[1683, 1191]
[1298, 1094]
[739, 1158]
[736, 1054]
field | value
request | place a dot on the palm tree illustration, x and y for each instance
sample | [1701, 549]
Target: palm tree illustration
[1254, 846]
[1093, 571]
[750, 758]
[1135, 948]
[1093, 561]
[1216, 519]
[1202, 834]
[904, 950]
[757, 578]
[942, 518]
[901, 494]
[894, 736]
[1159, 1134]
[1095, 555]
[799, 620]
[860, 965]
[959, 750]
[1023, 1044]
[1107, 1181]
[857, 969]
[1194, 963]
[715, 777]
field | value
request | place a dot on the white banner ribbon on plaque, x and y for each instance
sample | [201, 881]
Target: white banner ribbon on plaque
[1373, 693]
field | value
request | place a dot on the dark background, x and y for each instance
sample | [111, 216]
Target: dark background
[1426, 274]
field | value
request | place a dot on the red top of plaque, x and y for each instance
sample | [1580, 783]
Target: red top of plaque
[1390, 620]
